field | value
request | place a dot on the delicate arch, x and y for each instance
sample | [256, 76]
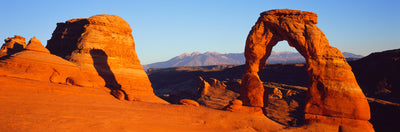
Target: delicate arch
[331, 77]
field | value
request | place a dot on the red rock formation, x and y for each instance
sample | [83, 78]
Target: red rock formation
[334, 96]
[36, 63]
[12, 45]
[103, 47]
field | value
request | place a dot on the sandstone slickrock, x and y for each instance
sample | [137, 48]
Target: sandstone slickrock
[12, 45]
[36, 63]
[334, 96]
[103, 47]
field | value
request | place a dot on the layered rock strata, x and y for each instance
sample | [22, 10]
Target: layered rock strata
[334, 96]
[103, 47]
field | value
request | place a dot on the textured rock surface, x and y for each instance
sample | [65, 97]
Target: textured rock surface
[103, 47]
[36, 63]
[12, 45]
[330, 75]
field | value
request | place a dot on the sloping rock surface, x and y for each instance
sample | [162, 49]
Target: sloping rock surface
[36, 63]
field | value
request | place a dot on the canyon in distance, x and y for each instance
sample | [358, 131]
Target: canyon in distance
[89, 78]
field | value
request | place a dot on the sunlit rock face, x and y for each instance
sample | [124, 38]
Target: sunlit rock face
[12, 45]
[334, 96]
[103, 47]
[35, 62]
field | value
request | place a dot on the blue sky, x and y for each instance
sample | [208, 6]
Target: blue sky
[164, 29]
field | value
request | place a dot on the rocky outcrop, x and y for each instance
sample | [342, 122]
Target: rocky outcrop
[12, 45]
[334, 96]
[36, 63]
[103, 47]
[215, 93]
[35, 45]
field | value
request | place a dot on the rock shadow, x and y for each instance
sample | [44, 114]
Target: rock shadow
[103, 69]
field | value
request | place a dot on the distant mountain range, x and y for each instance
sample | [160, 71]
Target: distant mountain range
[214, 58]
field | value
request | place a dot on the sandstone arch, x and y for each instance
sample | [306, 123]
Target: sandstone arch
[333, 94]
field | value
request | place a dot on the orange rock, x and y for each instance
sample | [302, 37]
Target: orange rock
[277, 93]
[103, 47]
[188, 102]
[36, 63]
[204, 87]
[12, 45]
[36, 45]
[252, 90]
[236, 106]
[333, 90]
[119, 94]
[236, 102]
[216, 83]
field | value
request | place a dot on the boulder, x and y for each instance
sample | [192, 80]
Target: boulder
[188, 102]
[237, 106]
[103, 47]
[36, 63]
[236, 102]
[277, 93]
[12, 45]
[333, 90]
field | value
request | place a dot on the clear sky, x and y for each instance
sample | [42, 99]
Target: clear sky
[163, 29]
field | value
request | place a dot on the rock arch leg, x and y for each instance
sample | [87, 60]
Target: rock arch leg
[258, 49]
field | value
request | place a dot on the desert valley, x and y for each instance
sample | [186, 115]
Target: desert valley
[89, 78]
